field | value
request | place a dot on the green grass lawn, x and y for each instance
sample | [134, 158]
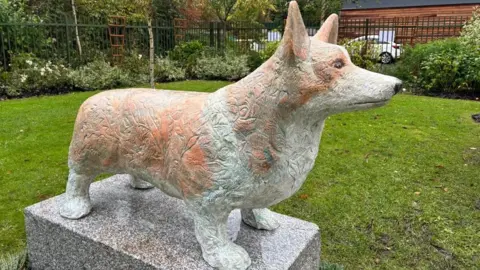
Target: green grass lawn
[393, 188]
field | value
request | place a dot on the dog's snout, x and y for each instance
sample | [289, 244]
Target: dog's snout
[398, 87]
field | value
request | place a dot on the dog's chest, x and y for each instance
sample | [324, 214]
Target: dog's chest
[300, 155]
[297, 160]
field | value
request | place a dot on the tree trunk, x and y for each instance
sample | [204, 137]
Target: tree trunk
[79, 45]
[152, 53]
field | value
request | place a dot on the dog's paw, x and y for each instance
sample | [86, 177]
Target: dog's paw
[75, 208]
[260, 219]
[228, 257]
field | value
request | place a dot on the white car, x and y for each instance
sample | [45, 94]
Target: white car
[387, 51]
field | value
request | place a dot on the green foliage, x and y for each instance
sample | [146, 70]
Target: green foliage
[252, 10]
[361, 53]
[106, 8]
[228, 67]
[313, 11]
[222, 8]
[470, 35]
[450, 71]
[15, 12]
[254, 60]
[136, 65]
[17, 261]
[100, 75]
[186, 54]
[269, 50]
[34, 76]
[3, 83]
[442, 66]
[167, 70]
[50, 10]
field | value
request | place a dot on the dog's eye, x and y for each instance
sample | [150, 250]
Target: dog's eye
[338, 63]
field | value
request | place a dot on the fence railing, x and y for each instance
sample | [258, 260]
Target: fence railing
[58, 40]
[408, 30]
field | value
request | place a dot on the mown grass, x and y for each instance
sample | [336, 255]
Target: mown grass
[393, 188]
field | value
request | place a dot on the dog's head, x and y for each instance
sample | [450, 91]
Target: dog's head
[319, 75]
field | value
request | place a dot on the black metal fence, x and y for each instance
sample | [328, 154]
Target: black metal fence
[407, 30]
[58, 40]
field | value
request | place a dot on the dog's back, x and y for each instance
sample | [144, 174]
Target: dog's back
[140, 132]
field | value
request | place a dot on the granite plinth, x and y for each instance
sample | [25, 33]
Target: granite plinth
[146, 229]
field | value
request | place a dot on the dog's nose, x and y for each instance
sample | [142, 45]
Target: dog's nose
[398, 87]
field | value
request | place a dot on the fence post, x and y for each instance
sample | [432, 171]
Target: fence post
[4, 58]
[68, 39]
[156, 44]
[212, 35]
[219, 35]
[366, 28]
[365, 48]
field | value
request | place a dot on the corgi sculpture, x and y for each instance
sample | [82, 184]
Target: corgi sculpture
[248, 145]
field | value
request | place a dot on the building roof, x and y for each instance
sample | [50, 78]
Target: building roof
[370, 4]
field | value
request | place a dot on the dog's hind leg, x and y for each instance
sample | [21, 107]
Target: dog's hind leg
[137, 183]
[76, 202]
[211, 233]
[260, 218]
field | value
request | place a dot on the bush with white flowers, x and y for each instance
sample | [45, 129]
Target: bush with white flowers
[33, 76]
[99, 74]
[223, 67]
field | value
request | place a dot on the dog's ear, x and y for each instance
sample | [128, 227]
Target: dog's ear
[329, 30]
[295, 42]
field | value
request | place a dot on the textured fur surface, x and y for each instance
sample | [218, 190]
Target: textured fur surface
[249, 145]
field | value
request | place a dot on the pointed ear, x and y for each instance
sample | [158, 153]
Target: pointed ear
[295, 40]
[329, 30]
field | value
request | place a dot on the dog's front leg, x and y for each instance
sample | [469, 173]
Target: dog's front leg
[260, 218]
[137, 183]
[211, 233]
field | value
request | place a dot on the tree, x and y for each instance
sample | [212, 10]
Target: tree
[222, 8]
[146, 8]
[252, 10]
[313, 11]
[74, 11]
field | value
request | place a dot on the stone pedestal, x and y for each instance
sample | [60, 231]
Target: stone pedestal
[146, 229]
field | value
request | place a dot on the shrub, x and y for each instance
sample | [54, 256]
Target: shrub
[136, 65]
[100, 75]
[361, 54]
[168, 70]
[254, 60]
[470, 35]
[269, 50]
[413, 57]
[33, 76]
[186, 54]
[3, 83]
[440, 66]
[450, 71]
[228, 67]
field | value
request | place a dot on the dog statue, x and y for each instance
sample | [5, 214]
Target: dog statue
[248, 145]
